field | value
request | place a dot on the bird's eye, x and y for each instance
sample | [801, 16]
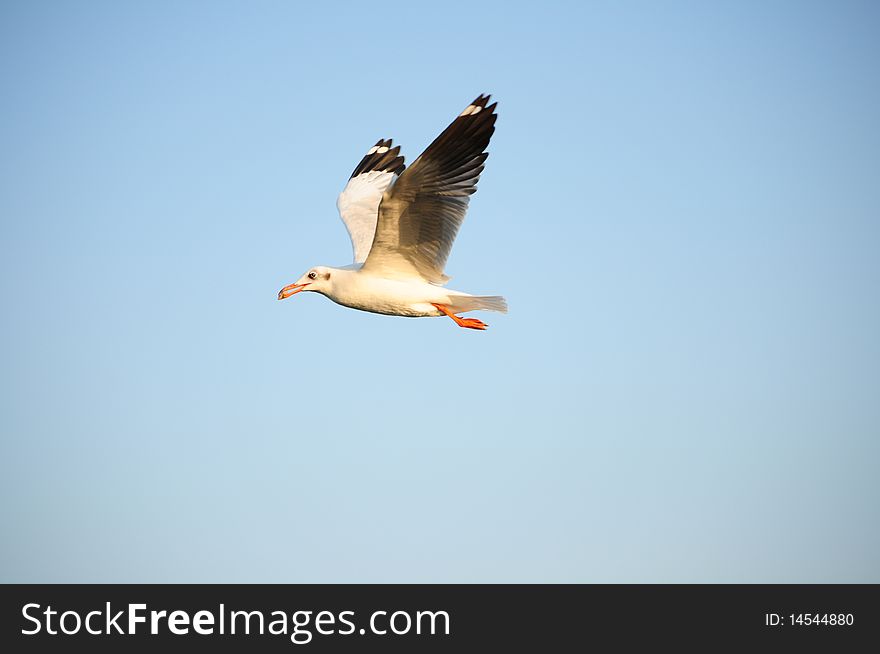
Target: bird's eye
[313, 274]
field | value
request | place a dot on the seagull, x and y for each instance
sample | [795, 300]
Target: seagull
[402, 222]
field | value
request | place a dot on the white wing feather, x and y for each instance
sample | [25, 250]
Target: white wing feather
[358, 203]
[358, 206]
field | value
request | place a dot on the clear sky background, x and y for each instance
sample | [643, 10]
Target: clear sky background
[682, 206]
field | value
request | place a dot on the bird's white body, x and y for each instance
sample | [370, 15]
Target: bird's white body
[402, 222]
[413, 298]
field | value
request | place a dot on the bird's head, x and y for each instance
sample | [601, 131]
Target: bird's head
[316, 279]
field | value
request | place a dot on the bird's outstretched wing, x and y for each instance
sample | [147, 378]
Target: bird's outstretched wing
[358, 203]
[420, 213]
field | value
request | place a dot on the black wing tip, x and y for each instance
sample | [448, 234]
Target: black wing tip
[381, 157]
[482, 100]
[479, 107]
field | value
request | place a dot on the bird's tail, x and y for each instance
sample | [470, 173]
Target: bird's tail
[462, 303]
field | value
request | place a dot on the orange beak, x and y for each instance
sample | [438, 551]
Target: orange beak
[290, 289]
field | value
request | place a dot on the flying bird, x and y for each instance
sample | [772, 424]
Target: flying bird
[402, 222]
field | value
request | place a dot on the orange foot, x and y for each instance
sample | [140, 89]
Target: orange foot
[470, 323]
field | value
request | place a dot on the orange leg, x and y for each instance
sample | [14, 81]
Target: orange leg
[470, 323]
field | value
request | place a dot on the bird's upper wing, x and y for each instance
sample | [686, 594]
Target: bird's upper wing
[358, 203]
[420, 213]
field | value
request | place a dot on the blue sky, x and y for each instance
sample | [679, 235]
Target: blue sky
[682, 206]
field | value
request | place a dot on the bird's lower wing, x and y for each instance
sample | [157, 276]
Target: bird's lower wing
[358, 204]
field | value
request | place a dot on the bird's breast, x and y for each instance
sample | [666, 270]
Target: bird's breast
[388, 296]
